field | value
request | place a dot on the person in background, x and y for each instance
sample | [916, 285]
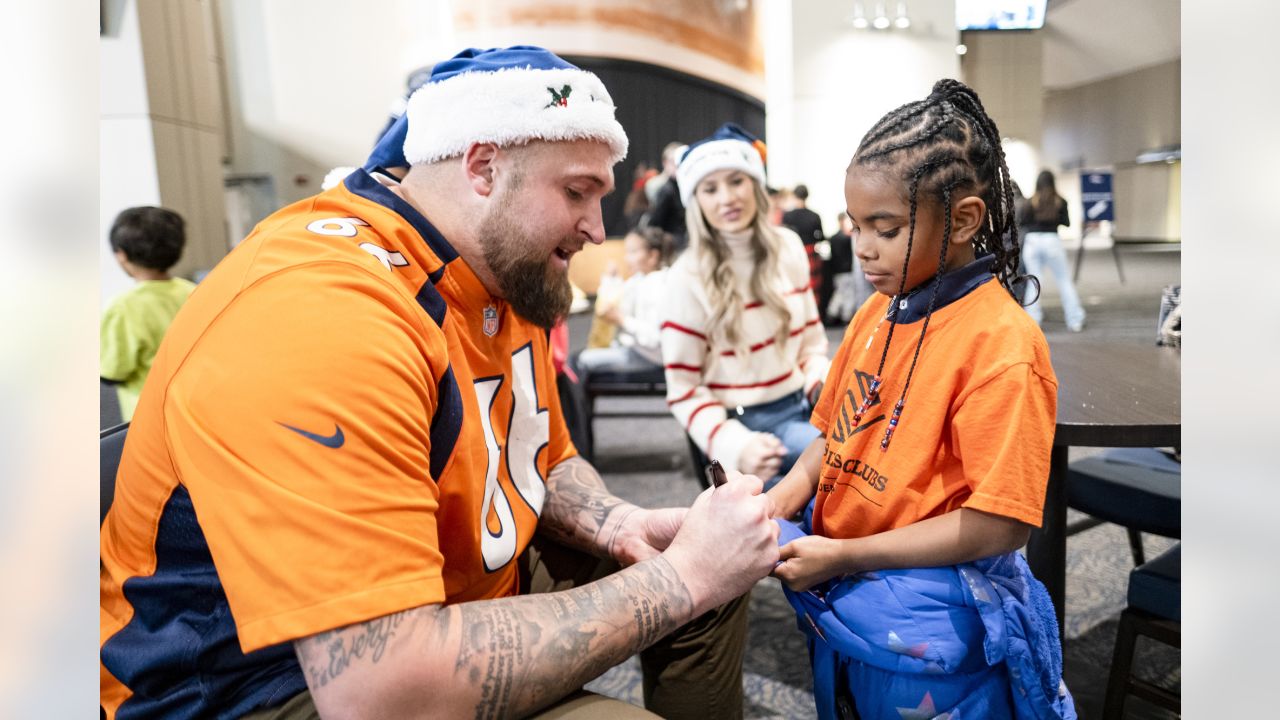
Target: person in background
[637, 312]
[391, 519]
[637, 202]
[670, 160]
[806, 223]
[933, 458]
[743, 346]
[666, 211]
[779, 203]
[1042, 250]
[147, 242]
[850, 289]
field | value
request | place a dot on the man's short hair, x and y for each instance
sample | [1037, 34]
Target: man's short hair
[149, 237]
[801, 191]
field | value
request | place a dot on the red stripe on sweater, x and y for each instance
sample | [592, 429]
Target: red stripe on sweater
[798, 291]
[683, 397]
[697, 410]
[771, 341]
[683, 329]
[766, 383]
[678, 366]
[712, 436]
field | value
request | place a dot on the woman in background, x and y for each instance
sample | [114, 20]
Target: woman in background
[1042, 249]
[743, 346]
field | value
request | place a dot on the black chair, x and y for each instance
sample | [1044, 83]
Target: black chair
[1137, 488]
[700, 462]
[1155, 610]
[603, 382]
[110, 448]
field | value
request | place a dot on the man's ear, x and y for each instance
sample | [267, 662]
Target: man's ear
[966, 217]
[478, 163]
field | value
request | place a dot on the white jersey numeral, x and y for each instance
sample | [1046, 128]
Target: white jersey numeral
[340, 227]
[527, 434]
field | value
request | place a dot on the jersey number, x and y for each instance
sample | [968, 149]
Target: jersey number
[527, 433]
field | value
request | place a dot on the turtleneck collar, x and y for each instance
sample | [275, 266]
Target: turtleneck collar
[739, 243]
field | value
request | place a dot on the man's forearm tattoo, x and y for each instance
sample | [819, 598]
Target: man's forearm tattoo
[578, 506]
[329, 654]
[524, 653]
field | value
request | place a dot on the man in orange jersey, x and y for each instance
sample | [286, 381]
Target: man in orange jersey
[348, 490]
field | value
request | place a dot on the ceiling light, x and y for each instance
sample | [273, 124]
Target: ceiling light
[882, 20]
[859, 17]
[902, 22]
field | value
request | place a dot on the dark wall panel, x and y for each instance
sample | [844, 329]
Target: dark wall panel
[657, 105]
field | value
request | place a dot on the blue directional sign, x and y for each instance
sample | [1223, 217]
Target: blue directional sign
[1095, 194]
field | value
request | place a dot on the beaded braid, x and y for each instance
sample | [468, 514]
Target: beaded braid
[953, 131]
[873, 391]
[933, 301]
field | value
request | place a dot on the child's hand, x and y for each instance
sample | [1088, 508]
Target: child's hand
[807, 561]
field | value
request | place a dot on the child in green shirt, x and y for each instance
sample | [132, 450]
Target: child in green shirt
[147, 241]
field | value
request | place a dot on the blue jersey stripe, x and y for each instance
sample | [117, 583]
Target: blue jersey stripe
[362, 184]
[180, 654]
[446, 424]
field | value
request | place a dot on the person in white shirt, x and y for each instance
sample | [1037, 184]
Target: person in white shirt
[742, 343]
[638, 311]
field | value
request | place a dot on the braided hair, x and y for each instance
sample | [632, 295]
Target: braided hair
[943, 147]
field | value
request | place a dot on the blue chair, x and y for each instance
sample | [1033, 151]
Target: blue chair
[110, 449]
[1137, 488]
[1155, 610]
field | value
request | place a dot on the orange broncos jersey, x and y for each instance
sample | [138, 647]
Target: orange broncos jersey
[977, 426]
[340, 424]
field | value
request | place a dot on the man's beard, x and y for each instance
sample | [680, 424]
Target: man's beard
[536, 291]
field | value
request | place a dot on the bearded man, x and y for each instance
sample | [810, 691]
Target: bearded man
[348, 490]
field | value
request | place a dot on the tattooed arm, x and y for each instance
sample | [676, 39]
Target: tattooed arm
[581, 513]
[511, 656]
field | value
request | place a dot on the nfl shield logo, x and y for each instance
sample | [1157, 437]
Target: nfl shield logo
[490, 326]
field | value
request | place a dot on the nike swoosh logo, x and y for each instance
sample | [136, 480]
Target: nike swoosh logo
[330, 441]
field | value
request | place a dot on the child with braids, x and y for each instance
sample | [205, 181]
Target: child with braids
[937, 420]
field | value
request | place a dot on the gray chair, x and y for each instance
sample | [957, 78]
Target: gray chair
[1155, 610]
[110, 449]
[1139, 489]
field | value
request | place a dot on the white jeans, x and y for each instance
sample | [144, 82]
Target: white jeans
[1043, 251]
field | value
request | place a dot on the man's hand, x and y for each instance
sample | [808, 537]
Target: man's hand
[762, 456]
[641, 534]
[727, 542]
[809, 560]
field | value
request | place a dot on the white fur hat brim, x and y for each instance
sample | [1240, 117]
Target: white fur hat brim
[510, 106]
[708, 157]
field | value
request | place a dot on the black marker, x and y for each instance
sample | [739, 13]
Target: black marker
[715, 474]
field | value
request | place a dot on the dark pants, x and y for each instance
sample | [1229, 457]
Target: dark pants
[695, 672]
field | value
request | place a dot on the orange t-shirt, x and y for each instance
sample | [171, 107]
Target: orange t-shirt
[977, 426]
[340, 424]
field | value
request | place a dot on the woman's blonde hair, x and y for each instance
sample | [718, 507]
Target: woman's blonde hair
[727, 304]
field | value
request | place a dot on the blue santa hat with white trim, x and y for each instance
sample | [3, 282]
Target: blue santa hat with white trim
[728, 148]
[507, 96]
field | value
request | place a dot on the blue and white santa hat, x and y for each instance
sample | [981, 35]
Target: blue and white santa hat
[508, 96]
[729, 147]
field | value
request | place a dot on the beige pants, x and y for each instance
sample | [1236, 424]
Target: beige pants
[694, 673]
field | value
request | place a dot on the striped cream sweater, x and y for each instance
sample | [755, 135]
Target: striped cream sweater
[705, 384]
